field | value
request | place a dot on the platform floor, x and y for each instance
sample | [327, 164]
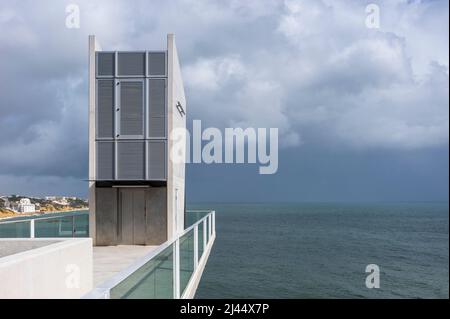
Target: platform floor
[110, 260]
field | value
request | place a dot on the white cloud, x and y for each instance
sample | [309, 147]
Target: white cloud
[212, 74]
[367, 88]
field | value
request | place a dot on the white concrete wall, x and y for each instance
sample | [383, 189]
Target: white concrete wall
[93, 47]
[59, 270]
[175, 171]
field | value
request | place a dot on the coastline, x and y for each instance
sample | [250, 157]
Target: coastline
[42, 213]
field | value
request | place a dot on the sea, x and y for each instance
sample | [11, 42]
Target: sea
[322, 250]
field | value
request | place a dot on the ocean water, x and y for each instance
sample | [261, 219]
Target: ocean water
[322, 250]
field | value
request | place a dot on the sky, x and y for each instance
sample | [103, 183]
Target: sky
[362, 113]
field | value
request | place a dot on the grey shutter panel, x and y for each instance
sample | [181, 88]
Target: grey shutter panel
[126, 216]
[105, 108]
[130, 160]
[131, 63]
[156, 160]
[131, 108]
[156, 215]
[105, 64]
[157, 63]
[105, 160]
[157, 108]
[106, 216]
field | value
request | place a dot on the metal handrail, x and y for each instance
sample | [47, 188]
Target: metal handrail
[31, 220]
[68, 214]
[35, 217]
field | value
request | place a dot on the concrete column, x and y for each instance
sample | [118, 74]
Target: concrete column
[93, 47]
[32, 228]
[175, 171]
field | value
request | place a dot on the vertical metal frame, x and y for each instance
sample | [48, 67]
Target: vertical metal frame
[116, 64]
[116, 146]
[146, 170]
[116, 108]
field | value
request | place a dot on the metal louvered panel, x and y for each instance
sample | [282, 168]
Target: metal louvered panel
[131, 108]
[105, 160]
[157, 108]
[157, 127]
[131, 63]
[156, 158]
[157, 63]
[105, 63]
[157, 97]
[130, 160]
[105, 108]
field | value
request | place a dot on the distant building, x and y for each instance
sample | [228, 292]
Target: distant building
[25, 206]
[61, 200]
[4, 202]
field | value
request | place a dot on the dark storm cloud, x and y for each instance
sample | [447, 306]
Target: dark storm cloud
[310, 68]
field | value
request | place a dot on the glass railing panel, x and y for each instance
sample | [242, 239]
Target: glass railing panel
[15, 230]
[186, 259]
[191, 217]
[153, 280]
[81, 225]
[54, 227]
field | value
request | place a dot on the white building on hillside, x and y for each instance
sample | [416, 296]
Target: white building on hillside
[25, 206]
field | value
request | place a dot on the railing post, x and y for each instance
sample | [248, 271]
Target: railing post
[195, 247]
[73, 226]
[210, 225]
[32, 228]
[176, 269]
[204, 235]
[214, 222]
